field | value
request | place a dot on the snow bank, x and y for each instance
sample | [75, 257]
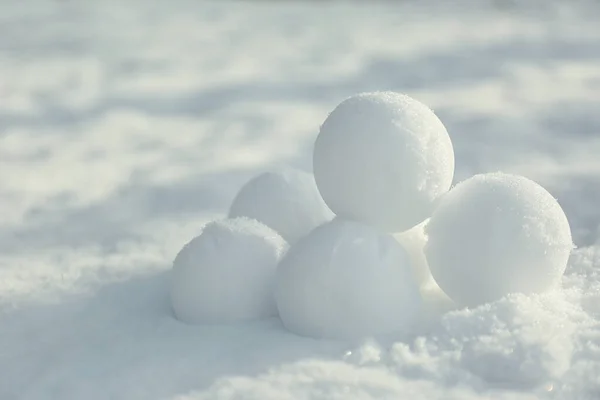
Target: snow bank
[334, 380]
[520, 347]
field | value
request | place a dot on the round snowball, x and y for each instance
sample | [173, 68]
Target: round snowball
[287, 201]
[346, 280]
[495, 234]
[227, 273]
[383, 159]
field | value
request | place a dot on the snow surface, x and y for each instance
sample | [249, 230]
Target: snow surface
[346, 280]
[286, 200]
[126, 126]
[495, 234]
[227, 273]
[383, 158]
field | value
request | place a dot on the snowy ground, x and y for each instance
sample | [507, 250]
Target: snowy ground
[125, 126]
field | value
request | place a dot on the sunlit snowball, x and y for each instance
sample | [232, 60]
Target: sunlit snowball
[227, 273]
[495, 234]
[384, 159]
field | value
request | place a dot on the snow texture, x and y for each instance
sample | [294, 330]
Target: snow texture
[347, 280]
[287, 201]
[384, 159]
[126, 126]
[227, 273]
[495, 234]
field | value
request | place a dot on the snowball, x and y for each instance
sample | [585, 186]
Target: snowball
[287, 201]
[346, 280]
[413, 241]
[495, 234]
[383, 159]
[227, 273]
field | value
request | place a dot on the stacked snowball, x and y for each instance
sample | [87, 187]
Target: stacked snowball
[375, 224]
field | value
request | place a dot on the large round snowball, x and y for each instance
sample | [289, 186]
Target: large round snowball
[495, 234]
[227, 273]
[287, 201]
[346, 280]
[383, 159]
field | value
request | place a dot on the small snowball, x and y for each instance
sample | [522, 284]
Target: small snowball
[383, 159]
[288, 201]
[227, 273]
[346, 280]
[495, 234]
[413, 241]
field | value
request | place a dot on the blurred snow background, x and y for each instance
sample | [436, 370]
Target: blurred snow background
[125, 126]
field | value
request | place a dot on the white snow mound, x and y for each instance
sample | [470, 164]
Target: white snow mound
[346, 280]
[227, 273]
[287, 201]
[384, 159]
[495, 234]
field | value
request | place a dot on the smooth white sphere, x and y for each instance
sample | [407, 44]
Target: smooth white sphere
[346, 280]
[227, 274]
[384, 159]
[287, 201]
[495, 234]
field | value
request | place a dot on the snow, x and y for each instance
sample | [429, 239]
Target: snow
[345, 280]
[286, 200]
[495, 234]
[310, 380]
[384, 159]
[227, 273]
[127, 126]
[413, 241]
